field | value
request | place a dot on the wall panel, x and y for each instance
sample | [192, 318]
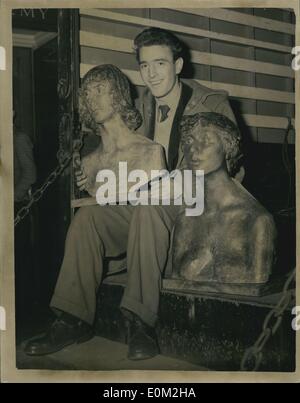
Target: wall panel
[245, 52]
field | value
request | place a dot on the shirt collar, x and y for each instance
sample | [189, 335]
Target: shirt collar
[172, 99]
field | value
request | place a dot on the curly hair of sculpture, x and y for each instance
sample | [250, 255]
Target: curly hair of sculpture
[121, 95]
[227, 131]
[233, 240]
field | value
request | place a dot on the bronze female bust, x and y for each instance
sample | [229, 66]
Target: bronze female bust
[233, 240]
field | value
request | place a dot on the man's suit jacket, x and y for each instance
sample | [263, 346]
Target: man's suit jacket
[194, 98]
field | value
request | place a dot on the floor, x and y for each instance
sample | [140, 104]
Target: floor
[99, 354]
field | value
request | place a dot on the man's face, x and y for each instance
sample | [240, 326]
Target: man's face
[100, 101]
[158, 69]
[203, 150]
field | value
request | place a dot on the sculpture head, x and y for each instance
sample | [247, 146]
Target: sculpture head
[105, 91]
[209, 141]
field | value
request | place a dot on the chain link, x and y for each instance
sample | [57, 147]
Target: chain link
[64, 159]
[253, 356]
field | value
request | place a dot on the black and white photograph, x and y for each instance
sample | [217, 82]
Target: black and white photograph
[153, 189]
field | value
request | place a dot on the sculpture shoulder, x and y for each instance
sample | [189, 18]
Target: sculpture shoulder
[242, 205]
[148, 152]
[256, 218]
[92, 157]
[264, 226]
[92, 162]
[141, 141]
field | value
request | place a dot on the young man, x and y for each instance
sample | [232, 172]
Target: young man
[167, 98]
[143, 232]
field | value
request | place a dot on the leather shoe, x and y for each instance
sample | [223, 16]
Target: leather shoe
[142, 342]
[62, 333]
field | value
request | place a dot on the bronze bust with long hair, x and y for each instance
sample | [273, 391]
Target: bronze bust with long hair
[107, 109]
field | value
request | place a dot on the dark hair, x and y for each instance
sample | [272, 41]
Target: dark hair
[158, 36]
[120, 89]
[227, 131]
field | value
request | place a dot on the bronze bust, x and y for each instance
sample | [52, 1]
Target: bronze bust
[107, 109]
[233, 240]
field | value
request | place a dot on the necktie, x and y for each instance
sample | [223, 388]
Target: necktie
[164, 110]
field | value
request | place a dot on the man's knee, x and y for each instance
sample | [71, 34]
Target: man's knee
[88, 216]
[87, 212]
[150, 217]
[89, 222]
[98, 217]
[142, 213]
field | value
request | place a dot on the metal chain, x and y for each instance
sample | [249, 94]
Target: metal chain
[64, 159]
[253, 356]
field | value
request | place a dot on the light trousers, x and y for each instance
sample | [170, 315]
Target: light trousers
[141, 233]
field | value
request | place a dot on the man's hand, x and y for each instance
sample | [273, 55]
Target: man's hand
[81, 179]
[80, 176]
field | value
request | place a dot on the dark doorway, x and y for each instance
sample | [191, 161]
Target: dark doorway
[37, 247]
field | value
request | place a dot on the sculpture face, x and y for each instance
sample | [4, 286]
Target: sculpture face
[99, 99]
[158, 69]
[203, 150]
